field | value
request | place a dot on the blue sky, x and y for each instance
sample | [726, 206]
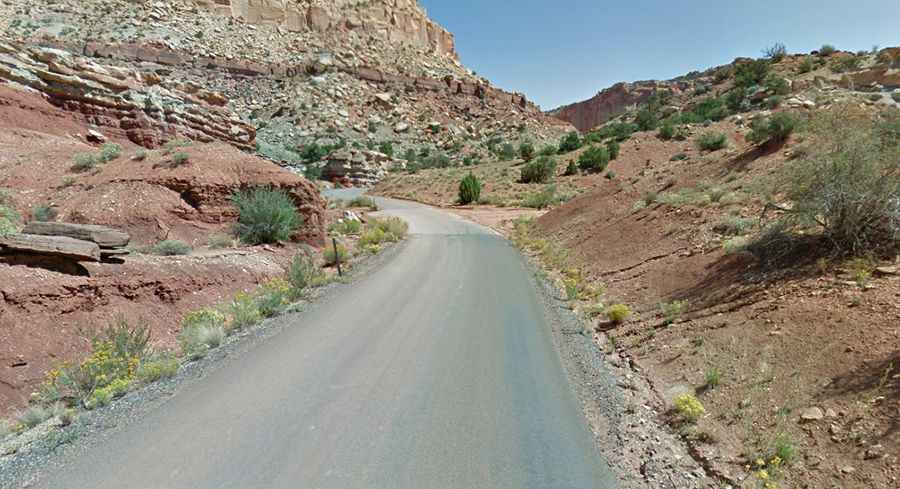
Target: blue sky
[562, 51]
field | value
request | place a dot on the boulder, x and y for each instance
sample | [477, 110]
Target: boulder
[104, 237]
[357, 167]
[60, 246]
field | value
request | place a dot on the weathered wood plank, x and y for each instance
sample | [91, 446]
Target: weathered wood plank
[51, 245]
[102, 235]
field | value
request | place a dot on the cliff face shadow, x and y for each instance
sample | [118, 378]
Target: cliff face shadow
[52, 263]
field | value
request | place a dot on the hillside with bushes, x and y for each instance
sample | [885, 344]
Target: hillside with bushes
[732, 236]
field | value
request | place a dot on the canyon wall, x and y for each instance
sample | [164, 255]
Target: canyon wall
[395, 21]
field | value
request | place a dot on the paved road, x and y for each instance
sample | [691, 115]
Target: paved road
[438, 371]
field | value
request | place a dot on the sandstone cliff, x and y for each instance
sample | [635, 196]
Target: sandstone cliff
[606, 105]
[394, 21]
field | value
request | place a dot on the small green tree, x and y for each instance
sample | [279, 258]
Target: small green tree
[507, 152]
[594, 159]
[776, 128]
[570, 142]
[751, 73]
[540, 170]
[613, 148]
[646, 119]
[667, 131]
[469, 189]
[526, 150]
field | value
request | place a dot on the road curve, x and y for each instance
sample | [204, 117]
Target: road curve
[438, 371]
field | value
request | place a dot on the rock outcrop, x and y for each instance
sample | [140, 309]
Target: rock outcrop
[395, 21]
[147, 109]
[356, 167]
[606, 105]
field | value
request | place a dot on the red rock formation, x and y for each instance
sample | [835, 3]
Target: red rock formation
[606, 105]
[146, 110]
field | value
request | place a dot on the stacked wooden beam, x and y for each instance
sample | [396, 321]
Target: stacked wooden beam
[79, 242]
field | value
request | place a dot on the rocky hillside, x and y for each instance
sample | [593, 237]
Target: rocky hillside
[676, 226]
[311, 77]
[852, 71]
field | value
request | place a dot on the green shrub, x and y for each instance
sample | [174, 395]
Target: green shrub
[711, 141]
[571, 168]
[469, 189]
[219, 241]
[710, 109]
[273, 297]
[570, 142]
[666, 131]
[387, 148]
[613, 148]
[773, 102]
[776, 128]
[620, 131]
[671, 311]
[785, 449]
[346, 227]
[198, 338]
[540, 170]
[266, 215]
[314, 152]
[363, 202]
[827, 50]
[689, 407]
[618, 313]
[43, 213]
[849, 187]
[394, 228]
[751, 73]
[180, 158]
[736, 100]
[162, 366]
[176, 143]
[646, 119]
[33, 415]
[807, 65]
[713, 378]
[526, 150]
[116, 352]
[109, 152]
[331, 257]
[243, 312]
[777, 84]
[440, 160]
[594, 159]
[846, 64]
[543, 199]
[302, 274]
[734, 226]
[549, 150]
[471, 160]
[84, 162]
[507, 152]
[171, 247]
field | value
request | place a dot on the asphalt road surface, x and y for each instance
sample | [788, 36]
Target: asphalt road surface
[437, 371]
